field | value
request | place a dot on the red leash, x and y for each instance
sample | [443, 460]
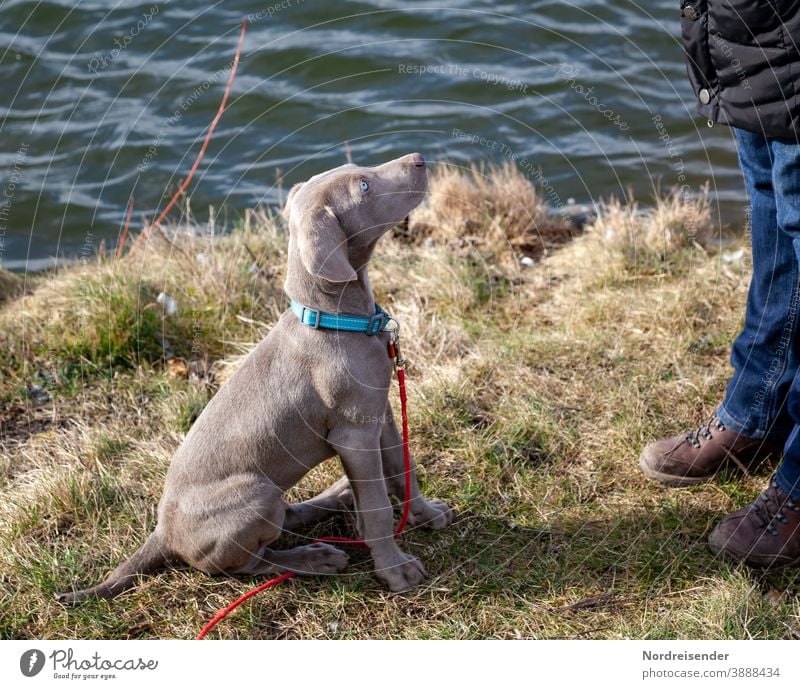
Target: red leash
[394, 353]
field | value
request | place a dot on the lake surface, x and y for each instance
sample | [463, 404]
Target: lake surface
[105, 100]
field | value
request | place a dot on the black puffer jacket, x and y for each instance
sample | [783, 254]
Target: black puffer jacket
[744, 62]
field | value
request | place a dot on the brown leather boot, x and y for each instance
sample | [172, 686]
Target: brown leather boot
[698, 455]
[764, 534]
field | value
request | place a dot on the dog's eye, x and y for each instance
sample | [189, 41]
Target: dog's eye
[363, 185]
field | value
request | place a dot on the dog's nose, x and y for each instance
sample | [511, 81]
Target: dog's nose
[418, 160]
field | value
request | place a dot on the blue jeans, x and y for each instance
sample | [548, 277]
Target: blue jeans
[762, 399]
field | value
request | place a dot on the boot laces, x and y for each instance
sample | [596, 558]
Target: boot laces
[704, 431]
[768, 508]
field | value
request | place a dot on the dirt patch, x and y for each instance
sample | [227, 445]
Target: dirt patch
[20, 423]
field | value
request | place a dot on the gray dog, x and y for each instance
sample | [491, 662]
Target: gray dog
[303, 395]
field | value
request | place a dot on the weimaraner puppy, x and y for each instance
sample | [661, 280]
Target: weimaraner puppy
[303, 395]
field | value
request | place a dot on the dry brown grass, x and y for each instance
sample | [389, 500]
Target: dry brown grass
[495, 207]
[629, 237]
[532, 392]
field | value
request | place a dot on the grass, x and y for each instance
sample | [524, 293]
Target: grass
[532, 392]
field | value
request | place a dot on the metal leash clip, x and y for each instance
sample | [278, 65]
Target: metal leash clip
[399, 360]
[394, 343]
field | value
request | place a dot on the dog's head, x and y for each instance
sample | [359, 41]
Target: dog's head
[336, 217]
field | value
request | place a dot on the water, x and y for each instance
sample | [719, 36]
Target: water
[589, 97]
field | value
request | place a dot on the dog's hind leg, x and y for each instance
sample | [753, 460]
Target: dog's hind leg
[337, 498]
[244, 547]
[316, 558]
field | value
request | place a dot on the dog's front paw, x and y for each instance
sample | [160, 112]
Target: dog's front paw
[400, 572]
[430, 514]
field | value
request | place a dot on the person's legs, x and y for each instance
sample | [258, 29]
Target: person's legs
[765, 355]
[767, 532]
[752, 422]
[788, 474]
[787, 186]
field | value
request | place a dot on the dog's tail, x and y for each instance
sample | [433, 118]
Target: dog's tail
[151, 556]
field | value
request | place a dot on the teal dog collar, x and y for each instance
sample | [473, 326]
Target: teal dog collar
[369, 325]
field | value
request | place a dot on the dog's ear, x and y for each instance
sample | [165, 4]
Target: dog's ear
[287, 207]
[322, 244]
